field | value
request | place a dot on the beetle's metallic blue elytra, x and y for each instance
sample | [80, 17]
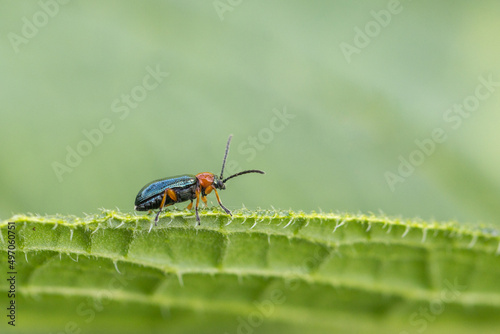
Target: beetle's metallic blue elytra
[181, 188]
[151, 195]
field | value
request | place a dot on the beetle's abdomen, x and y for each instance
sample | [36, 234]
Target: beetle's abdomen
[150, 204]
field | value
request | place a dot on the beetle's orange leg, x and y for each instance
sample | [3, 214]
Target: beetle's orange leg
[171, 194]
[190, 206]
[220, 203]
[197, 203]
[208, 190]
[161, 205]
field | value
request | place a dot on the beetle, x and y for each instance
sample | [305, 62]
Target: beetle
[164, 192]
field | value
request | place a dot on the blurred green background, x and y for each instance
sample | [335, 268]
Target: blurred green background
[232, 66]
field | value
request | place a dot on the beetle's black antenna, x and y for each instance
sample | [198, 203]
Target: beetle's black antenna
[225, 155]
[244, 172]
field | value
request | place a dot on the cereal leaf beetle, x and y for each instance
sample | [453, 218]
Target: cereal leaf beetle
[164, 192]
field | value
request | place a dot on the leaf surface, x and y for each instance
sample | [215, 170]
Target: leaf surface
[259, 271]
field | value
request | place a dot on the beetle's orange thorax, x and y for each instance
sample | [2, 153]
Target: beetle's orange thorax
[206, 179]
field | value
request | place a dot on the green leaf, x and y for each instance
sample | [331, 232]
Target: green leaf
[257, 272]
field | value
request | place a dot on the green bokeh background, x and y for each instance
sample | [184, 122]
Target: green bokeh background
[352, 120]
